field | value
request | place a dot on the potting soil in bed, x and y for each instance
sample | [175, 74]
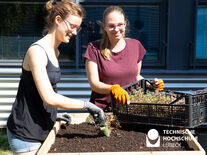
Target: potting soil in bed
[86, 137]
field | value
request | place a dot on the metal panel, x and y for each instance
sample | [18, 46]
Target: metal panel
[77, 86]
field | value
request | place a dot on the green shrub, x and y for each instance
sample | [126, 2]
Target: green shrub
[4, 144]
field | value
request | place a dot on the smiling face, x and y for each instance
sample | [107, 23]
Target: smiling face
[115, 25]
[68, 27]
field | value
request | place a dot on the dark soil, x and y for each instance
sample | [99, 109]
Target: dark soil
[87, 138]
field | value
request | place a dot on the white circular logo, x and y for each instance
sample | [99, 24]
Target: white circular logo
[153, 134]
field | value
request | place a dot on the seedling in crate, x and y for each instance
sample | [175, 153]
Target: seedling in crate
[139, 96]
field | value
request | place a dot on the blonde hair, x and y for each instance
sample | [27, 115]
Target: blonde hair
[62, 8]
[104, 45]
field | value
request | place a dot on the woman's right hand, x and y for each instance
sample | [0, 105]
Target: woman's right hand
[120, 94]
[93, 109]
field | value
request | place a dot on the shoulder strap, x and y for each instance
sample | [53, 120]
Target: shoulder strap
[39, 46]
[42, 48]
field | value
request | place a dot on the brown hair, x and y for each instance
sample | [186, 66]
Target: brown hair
[62, 8]
[104, 45]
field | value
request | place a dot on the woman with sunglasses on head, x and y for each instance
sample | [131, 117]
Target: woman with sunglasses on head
[114, 61]
[34, 111]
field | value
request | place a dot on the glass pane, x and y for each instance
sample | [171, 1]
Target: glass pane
[144, 26]
[91, 29]
[21, 24]
[201, 36]
[67, 52]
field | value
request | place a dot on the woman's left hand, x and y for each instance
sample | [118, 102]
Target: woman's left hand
[63, 117]
[159, 84]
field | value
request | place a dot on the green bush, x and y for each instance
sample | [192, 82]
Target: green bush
[4, 144]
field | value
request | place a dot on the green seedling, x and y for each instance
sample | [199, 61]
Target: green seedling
[105, 130]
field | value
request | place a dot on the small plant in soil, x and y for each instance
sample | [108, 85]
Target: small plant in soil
[111, 121]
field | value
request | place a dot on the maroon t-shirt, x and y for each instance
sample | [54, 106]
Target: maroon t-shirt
[121, 69]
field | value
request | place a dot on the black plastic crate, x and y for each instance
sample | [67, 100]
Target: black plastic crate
[188, 115]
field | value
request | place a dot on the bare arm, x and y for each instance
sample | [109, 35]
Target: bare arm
[139, 77]
[37, 61]
[93, 77]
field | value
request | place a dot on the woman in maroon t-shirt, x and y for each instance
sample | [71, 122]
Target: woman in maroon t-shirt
[114, 61]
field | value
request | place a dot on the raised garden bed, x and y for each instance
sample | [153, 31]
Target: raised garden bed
[91, 133]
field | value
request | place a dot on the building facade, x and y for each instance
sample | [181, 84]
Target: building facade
[173, 32]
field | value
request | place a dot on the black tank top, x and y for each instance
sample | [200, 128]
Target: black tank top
[31, 119]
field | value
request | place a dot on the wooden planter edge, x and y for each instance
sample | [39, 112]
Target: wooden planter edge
[81, 117]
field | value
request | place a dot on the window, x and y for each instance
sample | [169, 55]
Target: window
[201, 35]
[144, 26]
[21, 24]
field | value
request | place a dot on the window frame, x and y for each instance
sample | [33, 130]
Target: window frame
[17, 62]
[160, 63]
[196, 62]
[147, 63]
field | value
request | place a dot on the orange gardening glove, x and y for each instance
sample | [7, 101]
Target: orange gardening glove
[120, 94]
[159, 84]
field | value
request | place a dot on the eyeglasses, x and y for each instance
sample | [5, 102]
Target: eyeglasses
[112, 27]
[72, 26]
